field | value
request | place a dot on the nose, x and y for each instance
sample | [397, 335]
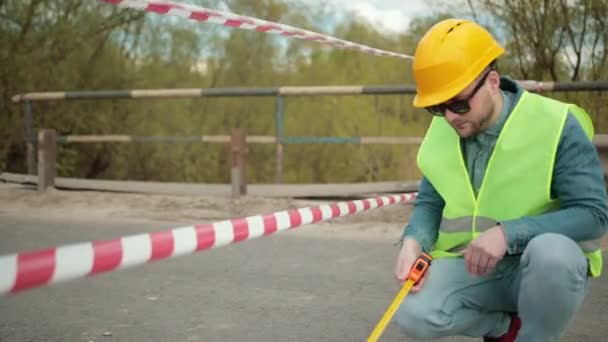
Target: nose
[451, 116]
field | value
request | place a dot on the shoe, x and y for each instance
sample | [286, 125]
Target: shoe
[511, 334]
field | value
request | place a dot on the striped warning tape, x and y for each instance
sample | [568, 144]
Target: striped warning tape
[27, 270]
[248, 23]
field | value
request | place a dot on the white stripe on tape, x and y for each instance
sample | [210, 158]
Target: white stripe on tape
[306, 215]
[373, 204]
[216, 20]
[283, 221]
[359, 205]
[184, 241]
[385, 201]
[343, 208]
[8, 272]
[224, 233]
[136, 250]
[134, 4]
[274, 31]
[326, 211]
[178, 12]
[73, 261]
[256, 226]
[248, 26]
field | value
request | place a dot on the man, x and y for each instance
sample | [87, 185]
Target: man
[512, 203]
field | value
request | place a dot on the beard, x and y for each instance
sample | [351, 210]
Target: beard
[470, 127]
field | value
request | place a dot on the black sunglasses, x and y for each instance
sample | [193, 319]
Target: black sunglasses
[458, 106]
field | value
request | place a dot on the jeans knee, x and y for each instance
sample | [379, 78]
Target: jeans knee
[421, 322]
[554, 255]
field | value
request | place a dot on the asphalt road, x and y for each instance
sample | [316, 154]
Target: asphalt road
[291, 286]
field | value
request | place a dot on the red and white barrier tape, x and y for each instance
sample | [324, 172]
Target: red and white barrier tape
[244, 22]
[27, 270]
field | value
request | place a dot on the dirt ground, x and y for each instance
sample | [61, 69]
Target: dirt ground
[25, 200]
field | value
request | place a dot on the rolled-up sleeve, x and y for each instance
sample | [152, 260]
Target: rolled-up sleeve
[423, 225]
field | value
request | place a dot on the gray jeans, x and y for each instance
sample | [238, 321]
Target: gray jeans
[545, 286]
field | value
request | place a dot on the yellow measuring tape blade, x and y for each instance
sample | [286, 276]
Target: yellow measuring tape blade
[390, 312]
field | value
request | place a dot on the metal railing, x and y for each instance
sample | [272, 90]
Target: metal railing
[279, 139]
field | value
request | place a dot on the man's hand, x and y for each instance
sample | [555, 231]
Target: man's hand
[410, 251]
[485, 251]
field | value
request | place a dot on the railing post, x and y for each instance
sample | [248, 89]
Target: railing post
[30, 139]
[279, 136]
[238, 172]
[47, 158]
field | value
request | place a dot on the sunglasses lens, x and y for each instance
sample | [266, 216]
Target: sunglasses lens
[438, 110]
[459, 107]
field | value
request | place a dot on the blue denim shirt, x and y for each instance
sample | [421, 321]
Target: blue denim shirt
[578, 182]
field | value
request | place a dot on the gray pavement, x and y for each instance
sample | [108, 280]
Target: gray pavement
[291, 286]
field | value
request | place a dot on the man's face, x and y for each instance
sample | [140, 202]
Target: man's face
[469, 112]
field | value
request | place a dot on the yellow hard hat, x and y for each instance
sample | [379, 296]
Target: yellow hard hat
[449, 57]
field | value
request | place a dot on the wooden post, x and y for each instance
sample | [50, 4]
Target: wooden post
[238, 172]
[47, 158]
[279, 163]
[30, 138]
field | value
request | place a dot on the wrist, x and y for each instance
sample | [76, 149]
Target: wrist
[412, 244]
[505, 240]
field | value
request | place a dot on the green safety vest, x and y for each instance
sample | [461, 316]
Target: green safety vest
[517, 180]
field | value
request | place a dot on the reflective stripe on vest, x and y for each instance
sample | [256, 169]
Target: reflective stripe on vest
[527, 145]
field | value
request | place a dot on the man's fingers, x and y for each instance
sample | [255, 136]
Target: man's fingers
[482, 266]
[418, 286]
[398, 268]
[471, 259]
[401, 277]
[397, 272]
[476, 259]
[401, 271]
[467, 259]
[491, 265]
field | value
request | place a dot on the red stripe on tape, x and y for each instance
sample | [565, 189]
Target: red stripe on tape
[233, 23]
[158, 8]
[366, 204]
[270, 224]
[240, 229]
[317, 214]
[266, 28]
[34, 269]
[205, 236]
[352, 208]
[314, 38]
[200, 16]
[107, 255]
[162, 245]
[391, 199]
[380, 201]
[295, 218]
[335, 210]
[292, 33]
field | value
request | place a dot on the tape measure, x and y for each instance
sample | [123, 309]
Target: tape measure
[416, 273]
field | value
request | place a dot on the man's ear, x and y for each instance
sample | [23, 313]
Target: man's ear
[494, 79]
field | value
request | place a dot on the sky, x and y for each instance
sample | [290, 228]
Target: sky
[387, 15]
